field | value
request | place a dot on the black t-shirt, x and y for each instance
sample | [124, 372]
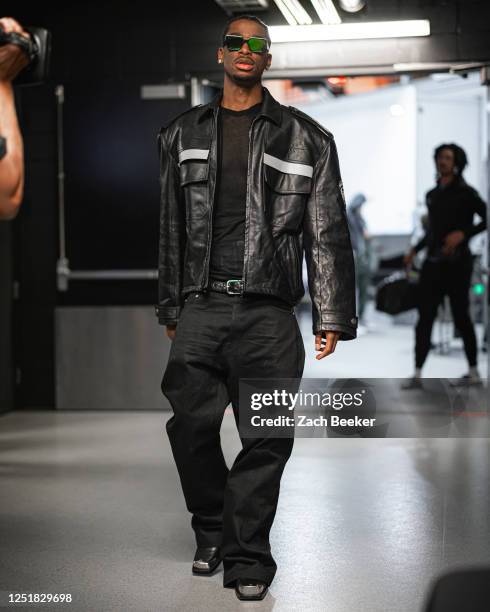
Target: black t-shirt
[227, 247]
[451, 208]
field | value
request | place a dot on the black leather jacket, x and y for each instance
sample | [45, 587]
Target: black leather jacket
[295, 202]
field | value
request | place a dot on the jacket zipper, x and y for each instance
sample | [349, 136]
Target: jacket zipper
[210, 224]
[247, 203]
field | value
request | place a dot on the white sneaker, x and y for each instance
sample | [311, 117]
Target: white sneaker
[467, 380]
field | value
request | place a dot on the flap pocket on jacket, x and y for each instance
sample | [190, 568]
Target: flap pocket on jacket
[287, 177]
[193, 165]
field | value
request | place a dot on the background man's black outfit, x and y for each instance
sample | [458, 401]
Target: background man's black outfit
[450, 208]
[221, 338]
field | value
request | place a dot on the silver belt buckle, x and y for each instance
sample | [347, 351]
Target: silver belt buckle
[233, 283]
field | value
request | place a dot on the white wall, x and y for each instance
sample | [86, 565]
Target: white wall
[452, 110]
[376, 138]
[386, 139]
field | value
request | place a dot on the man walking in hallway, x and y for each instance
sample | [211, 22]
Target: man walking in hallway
[247, 185]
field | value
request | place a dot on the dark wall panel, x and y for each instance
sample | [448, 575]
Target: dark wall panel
[6, 355]
[35, 252]
[111, 169]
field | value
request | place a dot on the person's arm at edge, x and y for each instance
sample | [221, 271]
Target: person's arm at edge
[12, 165]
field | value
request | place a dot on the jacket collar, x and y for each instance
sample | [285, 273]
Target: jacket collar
[270, 106]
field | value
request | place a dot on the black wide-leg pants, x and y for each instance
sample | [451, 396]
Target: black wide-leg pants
[221, 338]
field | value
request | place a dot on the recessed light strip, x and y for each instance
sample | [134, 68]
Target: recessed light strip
[350, 31]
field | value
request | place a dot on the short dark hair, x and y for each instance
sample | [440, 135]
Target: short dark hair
[250, 18]
[460, 158]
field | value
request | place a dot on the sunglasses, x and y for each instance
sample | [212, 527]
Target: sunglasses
[234, 42]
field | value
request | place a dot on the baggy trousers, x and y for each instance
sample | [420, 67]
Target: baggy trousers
[221, 338]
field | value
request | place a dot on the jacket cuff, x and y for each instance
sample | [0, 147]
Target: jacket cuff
[167, 315]
[333, 322]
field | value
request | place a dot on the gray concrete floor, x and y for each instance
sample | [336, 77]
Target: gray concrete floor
[92, 505]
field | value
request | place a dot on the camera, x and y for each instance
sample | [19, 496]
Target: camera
[38, 49]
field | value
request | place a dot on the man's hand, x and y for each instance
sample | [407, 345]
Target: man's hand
[12, 57]
[451, 241]
[171, 329]
[326, 341]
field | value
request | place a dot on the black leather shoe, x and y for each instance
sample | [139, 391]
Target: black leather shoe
[250, 589]
[206, 560]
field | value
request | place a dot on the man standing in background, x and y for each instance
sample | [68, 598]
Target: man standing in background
[448, 267]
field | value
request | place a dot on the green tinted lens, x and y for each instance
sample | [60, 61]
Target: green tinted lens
[234, 43]
[257, 45]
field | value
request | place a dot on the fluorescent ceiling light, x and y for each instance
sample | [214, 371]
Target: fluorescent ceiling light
[299, 12]
[293, 12]
[414, 66]
[350, 31]
[288, 16]
[326, 11]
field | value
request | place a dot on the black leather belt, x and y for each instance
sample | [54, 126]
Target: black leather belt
[234, 286]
